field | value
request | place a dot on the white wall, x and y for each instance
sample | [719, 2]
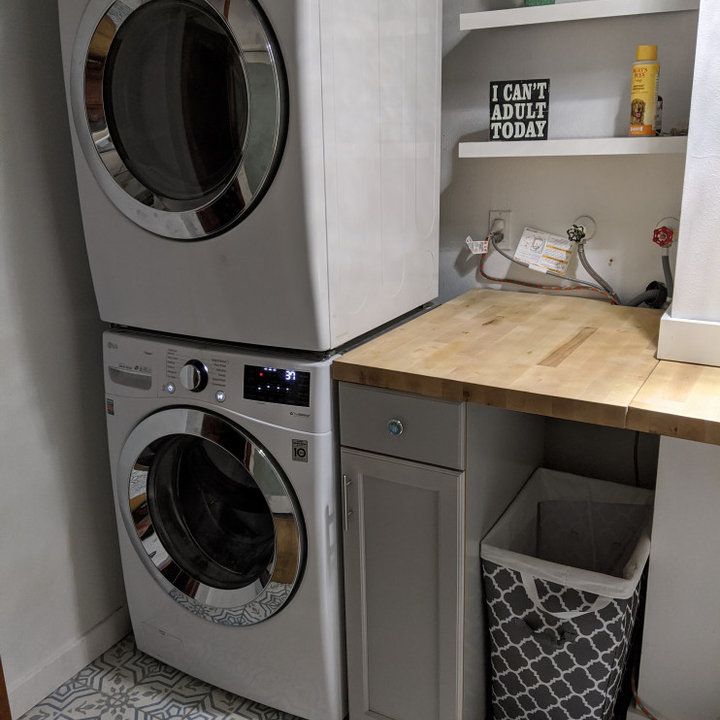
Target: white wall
[690, 330]
[698, 292]
[589, 66]
[59, 562]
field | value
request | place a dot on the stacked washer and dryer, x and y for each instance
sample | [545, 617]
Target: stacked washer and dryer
[259, 186]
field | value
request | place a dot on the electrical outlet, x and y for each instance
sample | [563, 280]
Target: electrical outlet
[504, 215]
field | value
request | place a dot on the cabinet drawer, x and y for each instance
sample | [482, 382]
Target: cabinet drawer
[404, 426]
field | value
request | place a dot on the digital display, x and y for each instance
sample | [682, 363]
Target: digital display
[277, 385]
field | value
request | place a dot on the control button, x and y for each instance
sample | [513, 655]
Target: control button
[220, 396]
[170, 388]
[395, 427]
[194, 376]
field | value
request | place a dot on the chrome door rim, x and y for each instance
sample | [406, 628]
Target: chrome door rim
[238, 607]
[178, 220]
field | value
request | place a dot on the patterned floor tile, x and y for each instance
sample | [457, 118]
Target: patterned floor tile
[126, 684]
[121, 653]
[97, 706]
[95, 674]
[123, 685]
[86, 704]
[191, 690]
[57, 703]
[184, 698]
[219, 703]
[147, 669]
[256, 711]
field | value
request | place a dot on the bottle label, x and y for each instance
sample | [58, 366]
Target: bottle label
[643, 98]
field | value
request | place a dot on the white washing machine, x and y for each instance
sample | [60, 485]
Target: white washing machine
[224, 468]
[257, 171]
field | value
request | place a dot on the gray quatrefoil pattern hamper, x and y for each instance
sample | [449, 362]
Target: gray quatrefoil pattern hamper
[562, 573]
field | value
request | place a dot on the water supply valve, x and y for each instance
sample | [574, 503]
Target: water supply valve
[576, 234]
[663, 236]
[582, 230]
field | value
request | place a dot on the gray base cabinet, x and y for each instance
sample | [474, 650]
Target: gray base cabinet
[423, 481]
[403, 587]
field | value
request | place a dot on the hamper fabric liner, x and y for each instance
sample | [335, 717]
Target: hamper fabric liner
[562, 571]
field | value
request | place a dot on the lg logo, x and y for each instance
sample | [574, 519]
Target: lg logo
[300, 450]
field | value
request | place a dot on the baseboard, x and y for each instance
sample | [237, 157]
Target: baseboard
[691, 341]
[75, 655]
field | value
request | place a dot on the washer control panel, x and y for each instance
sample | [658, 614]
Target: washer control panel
[194, 372]
[194, 376]
[287, 390]
[285, 386]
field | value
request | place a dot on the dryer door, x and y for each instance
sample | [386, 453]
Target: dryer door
[212, 516]
[181, 109]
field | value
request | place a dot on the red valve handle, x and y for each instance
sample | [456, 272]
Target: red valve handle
[663, 236]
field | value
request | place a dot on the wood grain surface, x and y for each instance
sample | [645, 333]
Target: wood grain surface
[679, 400]
[4, 701]
[564, 357]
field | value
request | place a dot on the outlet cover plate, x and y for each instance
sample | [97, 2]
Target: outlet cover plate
[505, 216]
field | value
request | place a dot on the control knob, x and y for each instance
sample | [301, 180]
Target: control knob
[194, 376]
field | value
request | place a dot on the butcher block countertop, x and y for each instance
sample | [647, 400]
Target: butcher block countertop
[679, 400]
[563, 357]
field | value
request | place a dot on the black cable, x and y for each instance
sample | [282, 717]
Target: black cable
[636, 458]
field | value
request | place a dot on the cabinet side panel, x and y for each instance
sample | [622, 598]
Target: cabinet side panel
[680, 662]
[381, 110]
[503, 448]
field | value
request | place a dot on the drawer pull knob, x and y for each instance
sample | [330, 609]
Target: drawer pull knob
[395, 427]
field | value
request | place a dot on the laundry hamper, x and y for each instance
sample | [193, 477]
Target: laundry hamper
[562, 572]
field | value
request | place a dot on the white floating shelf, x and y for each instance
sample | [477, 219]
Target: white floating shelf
[575, 147]
[563, 12]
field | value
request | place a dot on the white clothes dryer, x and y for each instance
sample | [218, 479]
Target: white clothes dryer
[224, 469]
[257, 171]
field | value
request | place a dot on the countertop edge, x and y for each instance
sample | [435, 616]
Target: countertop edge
[682, 427]
[561, 408]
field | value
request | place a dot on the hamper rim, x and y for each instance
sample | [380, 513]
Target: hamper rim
[581, 580]
[619, 588]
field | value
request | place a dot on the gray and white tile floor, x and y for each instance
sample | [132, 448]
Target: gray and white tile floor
[126, 684]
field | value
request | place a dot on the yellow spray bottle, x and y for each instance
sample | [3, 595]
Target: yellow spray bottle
[644, 91]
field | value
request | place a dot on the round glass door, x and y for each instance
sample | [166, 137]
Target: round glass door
[212, 516]
[186, 106]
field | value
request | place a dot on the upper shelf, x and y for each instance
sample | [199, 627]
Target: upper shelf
[577, 10]
[575, 147]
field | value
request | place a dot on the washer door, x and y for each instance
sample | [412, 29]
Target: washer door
[211, 515]
[181, 109]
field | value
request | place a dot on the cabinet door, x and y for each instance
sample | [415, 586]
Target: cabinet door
[403, 588]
